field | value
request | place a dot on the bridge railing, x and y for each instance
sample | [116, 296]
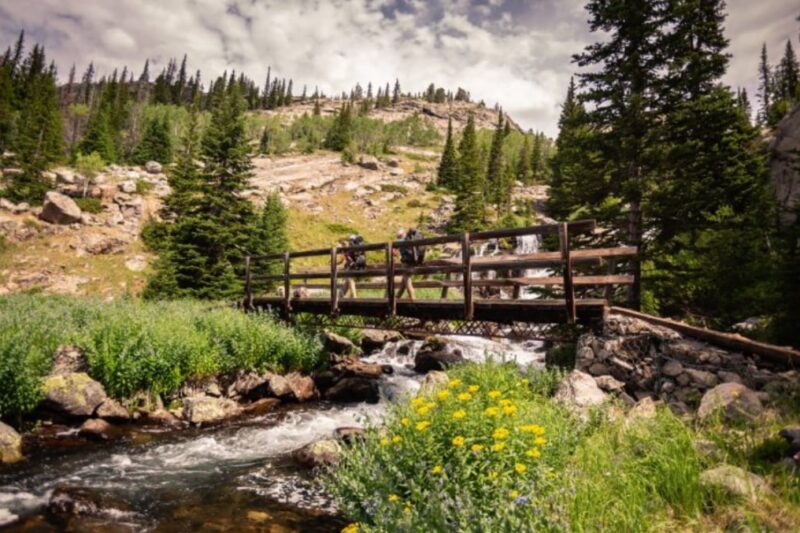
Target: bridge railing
[383, 275]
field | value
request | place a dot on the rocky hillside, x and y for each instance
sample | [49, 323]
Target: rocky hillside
[785, 164]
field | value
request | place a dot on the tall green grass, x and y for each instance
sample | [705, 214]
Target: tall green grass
[135, 346]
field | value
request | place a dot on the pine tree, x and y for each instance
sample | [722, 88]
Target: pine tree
[787, 82]
[156, 142]
[270, 237]
[470, 207]
[537, 158]
[396, 93]
[263, 142]
[765, 85]
[447, 175]
[524, 162]
[494, 169]
[340, 134]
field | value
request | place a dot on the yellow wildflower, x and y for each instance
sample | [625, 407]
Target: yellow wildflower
[436, 469]
[422, 426]
[407, 508]
[494, 394]
[540, 441]
[464, 397]
[397, 439]
[500, 433]
[524, 381]
[498, 446]
[492, 474]
[423, 411]
[551, 475]
[538, 430]
[477, 447]
[384, 441]
[454, 383]
[513, 494]
[474, 388]
[393, 497]
[520, 468]
[404, 421]
[350, 528]
[458, 441]
[504, 402]
[443, 394]
[533, 453]
[510, 410]
[491, 411]
[458, 415]
[417, 401]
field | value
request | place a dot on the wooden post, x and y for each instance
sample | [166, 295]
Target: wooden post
[390, 293]
[334, 283]
[287, 284]
[569, 290]
[248, 288]
[466, 260]
[444, 289]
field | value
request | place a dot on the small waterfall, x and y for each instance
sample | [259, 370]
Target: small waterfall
[529, 244]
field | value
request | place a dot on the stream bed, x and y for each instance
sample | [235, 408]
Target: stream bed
[234, 477]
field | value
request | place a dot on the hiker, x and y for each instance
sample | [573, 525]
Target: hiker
[353, 260]
[410, 256]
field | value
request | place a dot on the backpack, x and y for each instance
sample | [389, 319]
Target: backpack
[356, 260]
[414, 255]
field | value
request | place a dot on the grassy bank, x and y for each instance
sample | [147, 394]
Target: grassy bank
[132, 345]
[493, 452]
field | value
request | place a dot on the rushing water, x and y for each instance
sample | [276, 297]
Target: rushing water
[229, 478]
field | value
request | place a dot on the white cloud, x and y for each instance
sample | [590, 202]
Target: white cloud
[514, 52]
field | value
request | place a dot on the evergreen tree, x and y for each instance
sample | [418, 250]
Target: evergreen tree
[396, 93]
[98, 136]
[537, 158]
[765, 85]
[470, 208]
[340, 134]
[447, 175]
[495, 167]
[270, 237]
[524, 162]
[787, 76]
[263, 142]
[156, 142]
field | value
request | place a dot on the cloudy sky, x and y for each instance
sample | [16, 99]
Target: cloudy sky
[515, 52]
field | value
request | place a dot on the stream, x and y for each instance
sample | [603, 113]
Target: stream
[235, 477]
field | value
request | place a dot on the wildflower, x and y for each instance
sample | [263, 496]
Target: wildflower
[454, 383]
[351, 528]
[397, 439]
[498, 446]
[458, 441]
[436, 469]
[477, 447]
[384, 441]
[393, 497]
[520, 500]
[422, 426]
[524, 382]
[458, 415]
[533, 453]
[538, 430]
[492, 474]
[505, 402]
[500, 433]
[510, 410]
[491, 411]
[520, 468]
[404, 421]
[423, 411]
[464, 397]
[540, 441]
[513, 494]
[443, 395]
[407, 508]
[417, 401]
[551, 475]
[474, 388]
[493, 394]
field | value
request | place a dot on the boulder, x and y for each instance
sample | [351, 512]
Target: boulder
[354, 367]
[249, 385]
[337, 344]
[111, 409]
[435, 355]
[10, 444]
[323, 452]
[261, 407]
[302, 387]
[433, 381]
[68, 359]
[609, 383]
[66, 503]
[127, 186]
[579, 390]
[729, 377]
[22, 207]
[98, 429]
[278, 386]
[202, 409]
[60, 209]
[7, 204]
[73, 394]
[644, 409]
[369, 162]
[102, 245]
[153, 167]
[394, 163]
[702, 378]
[66, 176]
[734, 481]
[162, 417]
[349, 434]
[137, 263]
[374, 339]
[792, 435]
[672, 368]
[354, 389]
[735, 402]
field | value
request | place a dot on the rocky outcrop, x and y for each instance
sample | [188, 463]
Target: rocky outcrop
[60, 209]
[375, 339]
[302, 387]
[435, 354]
[732, 401]
[10, 444]
[784, 164]
[657, 362]
[434, 380]
[319, 453]
[201, 409]
[111, 409]
[579, 391]
[734, 481]
[153, 167]
[261, 407]
[369, 162]
[338, 344]
[74, 394]
[354, 389]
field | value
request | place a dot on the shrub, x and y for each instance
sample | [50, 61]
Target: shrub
[90, 205]
[144, 187]
[391, 187]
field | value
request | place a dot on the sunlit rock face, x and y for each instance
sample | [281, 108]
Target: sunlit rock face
[784, 151]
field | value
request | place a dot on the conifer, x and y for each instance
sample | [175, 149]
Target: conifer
[470, 207]
[447, 175]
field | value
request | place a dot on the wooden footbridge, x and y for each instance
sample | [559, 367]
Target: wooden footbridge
[455, 290]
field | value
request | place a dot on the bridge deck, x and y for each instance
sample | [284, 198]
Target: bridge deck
[501, 311]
